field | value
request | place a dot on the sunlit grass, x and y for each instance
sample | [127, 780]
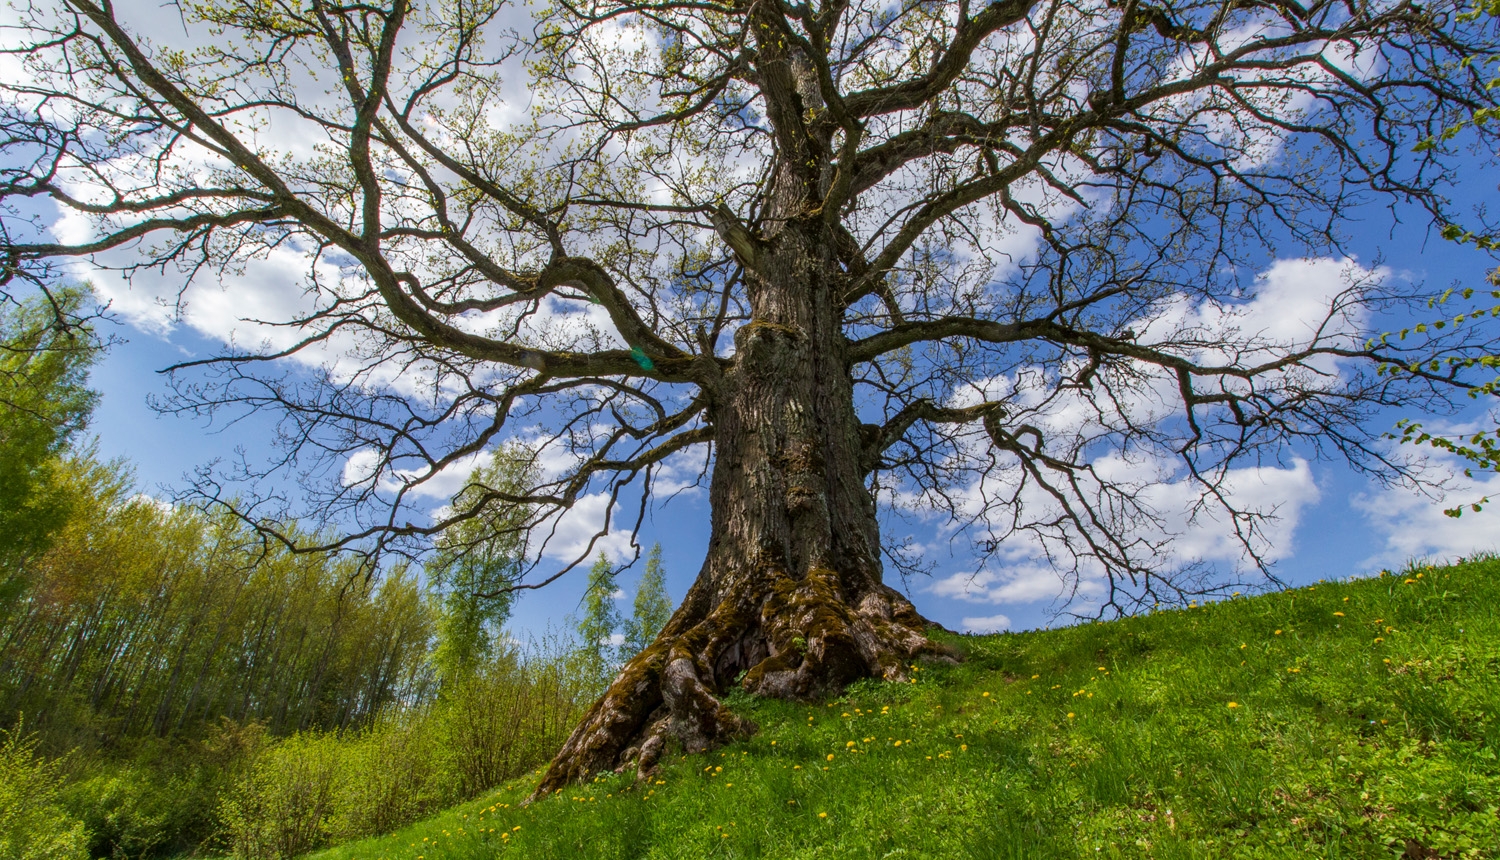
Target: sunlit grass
[1339, 720]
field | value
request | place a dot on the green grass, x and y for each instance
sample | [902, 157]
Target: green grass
[1370, 733]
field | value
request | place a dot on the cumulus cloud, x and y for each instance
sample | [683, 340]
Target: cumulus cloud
[1293, 303]
[991, 624]
[1413, 526]
[364, 466]
[568, 535]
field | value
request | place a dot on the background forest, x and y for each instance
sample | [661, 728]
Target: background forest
[170, 682]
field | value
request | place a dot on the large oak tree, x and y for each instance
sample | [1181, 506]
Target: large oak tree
[987, 259]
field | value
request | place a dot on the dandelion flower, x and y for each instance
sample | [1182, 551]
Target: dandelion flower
[985, 695]
[1070, 715]
[1277, 633]
[830, 756]
[1234, 704]
[1338, 615]
[822, 815]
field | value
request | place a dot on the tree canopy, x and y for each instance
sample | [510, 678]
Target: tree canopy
[45, 404]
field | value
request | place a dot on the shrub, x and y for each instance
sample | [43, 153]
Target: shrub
[394, 778]
[311, 790]
[285, 804]
[507, 719]
[127, 811]
[33, 826]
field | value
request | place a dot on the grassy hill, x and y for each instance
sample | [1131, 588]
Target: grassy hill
[1339, 720]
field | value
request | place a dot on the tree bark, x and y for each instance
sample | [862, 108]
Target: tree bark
[789, 602]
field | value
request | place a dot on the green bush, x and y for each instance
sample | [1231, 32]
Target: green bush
[312, 790]
[126, 810]
[393, 778]
[285, 805]
[507, 719]
[33, 826]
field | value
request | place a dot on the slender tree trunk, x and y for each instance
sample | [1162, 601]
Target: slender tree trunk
[789, 602]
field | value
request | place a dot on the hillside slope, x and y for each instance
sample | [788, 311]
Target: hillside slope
[1340, 720]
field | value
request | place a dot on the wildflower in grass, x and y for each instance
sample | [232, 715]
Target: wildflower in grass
[1070, 715]
[985, 695]
[1234, 704]
[849, 744]
[830, 756]
[822, 815]
[1277, 633]
[963, 747]
[1379, 639]
[896, 744]
[1338, 615]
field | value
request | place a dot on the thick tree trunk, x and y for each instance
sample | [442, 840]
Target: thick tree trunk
[789, 602]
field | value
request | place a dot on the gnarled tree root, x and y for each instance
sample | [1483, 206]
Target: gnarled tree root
[795, 639]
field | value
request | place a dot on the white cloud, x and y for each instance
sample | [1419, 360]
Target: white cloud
[572, 529]
[992, 624]
[364, 465]
[1415, 527]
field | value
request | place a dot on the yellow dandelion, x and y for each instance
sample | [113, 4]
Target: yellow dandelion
[1379, 639]
[1338, 615]
[822, 815]
[1234, 704]
[985, 695]
[1277, 633]
[1070, 715]
[848, 745]
[830, 756]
